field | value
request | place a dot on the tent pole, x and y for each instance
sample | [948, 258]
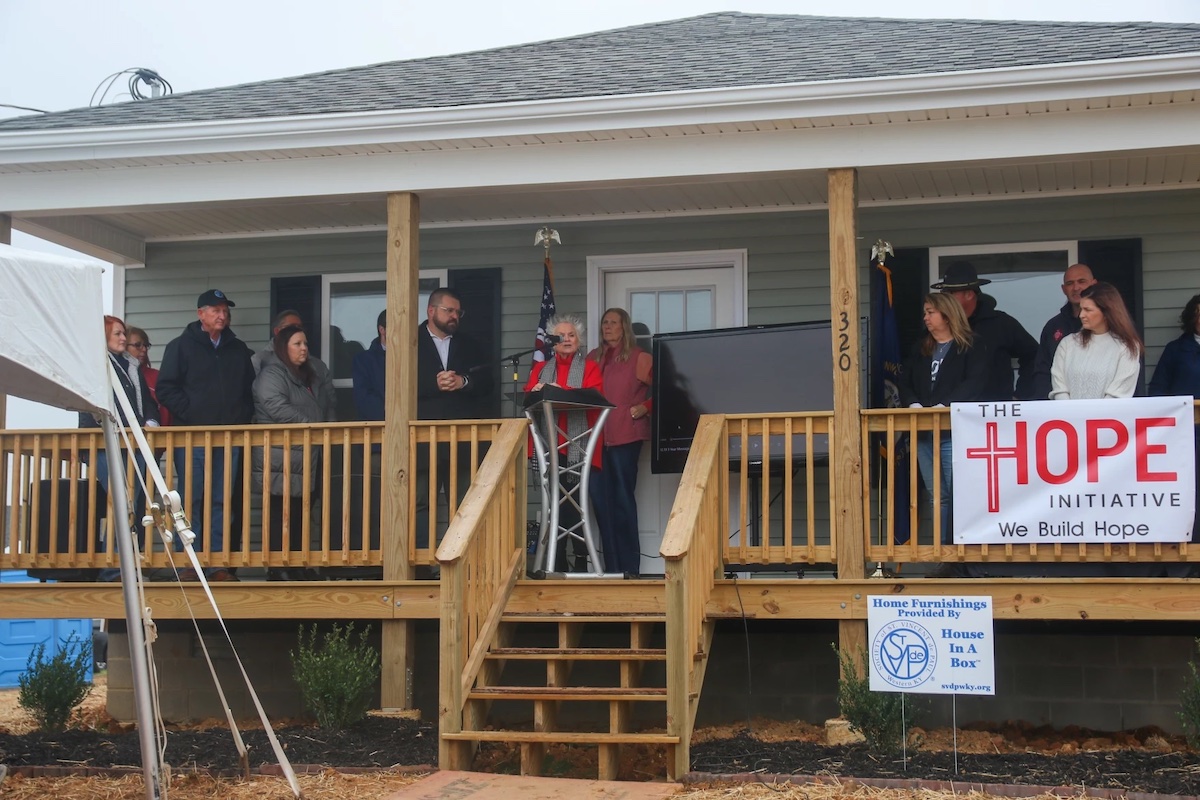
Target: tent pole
[139, 664]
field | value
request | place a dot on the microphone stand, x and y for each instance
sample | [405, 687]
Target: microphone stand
[514, 360]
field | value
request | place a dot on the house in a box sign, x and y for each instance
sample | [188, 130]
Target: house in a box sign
[708, 172]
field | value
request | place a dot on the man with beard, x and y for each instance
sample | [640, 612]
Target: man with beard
[453, 382]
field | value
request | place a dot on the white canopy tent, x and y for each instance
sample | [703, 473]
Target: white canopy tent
[51, 324]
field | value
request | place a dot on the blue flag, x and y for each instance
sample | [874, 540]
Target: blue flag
[547, 310]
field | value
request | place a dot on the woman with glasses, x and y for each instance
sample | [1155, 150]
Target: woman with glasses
[1104, 358]
[138, 348]
[145, 409]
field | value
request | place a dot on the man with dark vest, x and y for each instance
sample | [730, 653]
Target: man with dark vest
[454, 381]
[1077, 278]
[207, 379]
[1003, 335]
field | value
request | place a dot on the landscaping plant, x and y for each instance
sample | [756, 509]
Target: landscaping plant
[52, 687]
[878, 716]
[1189, 703]
[337, 676]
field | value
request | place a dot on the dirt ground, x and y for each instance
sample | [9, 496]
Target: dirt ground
[1039, 756]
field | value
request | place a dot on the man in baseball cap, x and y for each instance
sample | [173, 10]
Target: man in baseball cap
[206, 379]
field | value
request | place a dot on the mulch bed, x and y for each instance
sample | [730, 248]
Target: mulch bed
[375, 742]
[1132, 770]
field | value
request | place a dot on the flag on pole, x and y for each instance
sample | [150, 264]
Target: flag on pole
[547, 309]
[885, 386]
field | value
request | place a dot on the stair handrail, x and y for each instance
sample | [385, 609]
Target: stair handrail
[481, 557]
[691, 548]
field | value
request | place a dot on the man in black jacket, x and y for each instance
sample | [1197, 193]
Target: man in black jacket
[454, 381]
[207, 378]
[1077, 278]
[1004, 336]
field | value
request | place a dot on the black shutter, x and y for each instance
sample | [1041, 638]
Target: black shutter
[480, 293]
[303, 295]
[1118, 261]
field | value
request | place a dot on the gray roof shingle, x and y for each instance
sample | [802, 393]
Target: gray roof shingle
[721, 50]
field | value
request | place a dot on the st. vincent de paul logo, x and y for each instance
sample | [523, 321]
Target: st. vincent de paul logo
[903, 654]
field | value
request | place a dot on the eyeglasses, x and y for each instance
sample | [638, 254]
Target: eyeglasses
[139, 345]
[458, 312]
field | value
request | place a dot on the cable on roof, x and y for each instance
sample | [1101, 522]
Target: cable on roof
[24, 108]
[144, 84]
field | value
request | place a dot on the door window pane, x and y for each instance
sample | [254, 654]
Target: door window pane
[699, 309]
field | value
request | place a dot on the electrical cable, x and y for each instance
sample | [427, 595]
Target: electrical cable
[138, 77]
[24, 108]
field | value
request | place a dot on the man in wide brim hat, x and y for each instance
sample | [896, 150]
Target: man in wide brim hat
[960, 276]
[1000, 333]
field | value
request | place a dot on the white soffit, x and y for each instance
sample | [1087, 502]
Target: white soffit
[696, 197]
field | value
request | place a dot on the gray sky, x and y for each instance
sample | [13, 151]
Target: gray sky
[55, 53]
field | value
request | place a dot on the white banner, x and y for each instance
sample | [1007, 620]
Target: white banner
[1074, 471]
[929, 644]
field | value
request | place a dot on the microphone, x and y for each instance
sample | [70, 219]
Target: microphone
[552, 339]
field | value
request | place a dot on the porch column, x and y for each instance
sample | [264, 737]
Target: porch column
[400, 401]
[845, 444]
[5, 238]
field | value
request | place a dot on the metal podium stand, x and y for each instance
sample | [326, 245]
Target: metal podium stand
[542, 410]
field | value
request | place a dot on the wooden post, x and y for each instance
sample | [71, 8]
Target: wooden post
[400, 407]
[846, 439]
[5, 238]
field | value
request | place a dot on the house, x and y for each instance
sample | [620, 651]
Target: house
[749, 160]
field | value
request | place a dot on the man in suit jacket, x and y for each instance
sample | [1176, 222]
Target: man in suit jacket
[454, 381]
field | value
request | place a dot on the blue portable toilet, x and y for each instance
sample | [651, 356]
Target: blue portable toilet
[18, 637]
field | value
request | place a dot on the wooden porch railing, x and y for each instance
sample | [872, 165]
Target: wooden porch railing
[481, 558]
[781, 479]
[58, 514]
[889, 436]
[692, 549]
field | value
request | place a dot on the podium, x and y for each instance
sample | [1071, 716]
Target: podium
[563, 480]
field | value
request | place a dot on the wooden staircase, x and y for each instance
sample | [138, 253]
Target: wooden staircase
[589, 659]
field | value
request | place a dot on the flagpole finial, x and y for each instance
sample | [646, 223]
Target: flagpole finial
[881, 250]
[544, 237]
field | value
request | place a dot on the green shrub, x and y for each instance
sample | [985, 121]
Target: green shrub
[1189, 703]
[52, 687]
[878, 716]
[337, 678]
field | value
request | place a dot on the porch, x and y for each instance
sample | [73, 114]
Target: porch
[791, 513]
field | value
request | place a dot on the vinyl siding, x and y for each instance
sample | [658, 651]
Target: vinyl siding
[788, 258]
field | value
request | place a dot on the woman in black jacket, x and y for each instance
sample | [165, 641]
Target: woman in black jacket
[948, 366]
[145, 409]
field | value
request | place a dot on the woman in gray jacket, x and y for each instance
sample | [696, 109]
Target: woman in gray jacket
[291, 388]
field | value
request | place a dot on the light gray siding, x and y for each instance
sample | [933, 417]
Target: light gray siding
[788, 258]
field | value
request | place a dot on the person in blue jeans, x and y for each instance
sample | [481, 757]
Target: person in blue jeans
[206, 378]
[626, 370]
[948, 365]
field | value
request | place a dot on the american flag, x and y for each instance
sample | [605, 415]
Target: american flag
[547, 310]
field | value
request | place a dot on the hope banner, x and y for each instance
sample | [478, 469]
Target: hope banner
[1074, 471]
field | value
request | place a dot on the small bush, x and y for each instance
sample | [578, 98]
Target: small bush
[337, 678]
[51, 688]
[878, 716]
[1189, 703]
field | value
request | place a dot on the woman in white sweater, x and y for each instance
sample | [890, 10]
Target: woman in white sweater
[1102, 360]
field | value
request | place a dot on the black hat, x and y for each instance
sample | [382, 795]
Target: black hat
[214, 297]
[960, 275]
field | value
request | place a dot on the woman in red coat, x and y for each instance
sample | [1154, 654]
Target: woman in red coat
[568, 368]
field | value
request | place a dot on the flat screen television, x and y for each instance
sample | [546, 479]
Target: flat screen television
[758, 369]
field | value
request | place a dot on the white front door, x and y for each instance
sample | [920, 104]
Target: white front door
[667, 293]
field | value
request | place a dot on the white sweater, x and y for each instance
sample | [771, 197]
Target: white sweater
[1104, 368]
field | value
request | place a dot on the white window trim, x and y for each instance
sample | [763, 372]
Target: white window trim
[599, 266]
[327, 281]
[937, 253]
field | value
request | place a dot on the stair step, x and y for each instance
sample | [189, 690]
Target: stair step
[601, 693]
[562, 737]
[554, 616]
[578, 654]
